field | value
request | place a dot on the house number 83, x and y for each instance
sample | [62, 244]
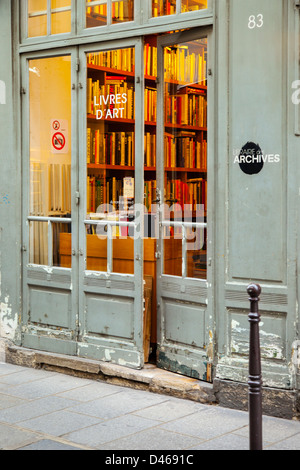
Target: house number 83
[256, 21]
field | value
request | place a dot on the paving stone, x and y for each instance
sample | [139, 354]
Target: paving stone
[170, 410]
[45, 387]
[209, 423]
[6, 401]
[91, 392]
[152, 439]
[59, 423]
[34, 409]
[12, 438]
[48, 444]
[119, 404]
[110, 430]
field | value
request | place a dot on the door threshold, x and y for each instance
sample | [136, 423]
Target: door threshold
[149, 378]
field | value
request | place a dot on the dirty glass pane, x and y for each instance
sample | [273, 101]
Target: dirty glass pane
[196, 252]
[110, 135]
[96, 13]
[50, 141]
[37, 18]
[61, 245]
[60, 16]
[38, 243]
[163, 7]
[172, 240]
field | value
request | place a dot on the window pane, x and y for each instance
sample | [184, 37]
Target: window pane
[185, 143]
[122, 11]
[163, 7]
[96, 13]
[110, 154]
[38, 243]
[172, 239]
[50, 142]
[37, 18]
[60, 16]
[193, 5]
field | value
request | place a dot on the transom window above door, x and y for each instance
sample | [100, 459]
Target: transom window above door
[47, 18]
[105, 12]
[171, 7]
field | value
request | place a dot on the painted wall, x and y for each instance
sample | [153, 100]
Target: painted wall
[10, 188]
[257, 221]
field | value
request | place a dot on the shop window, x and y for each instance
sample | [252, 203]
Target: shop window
[104, 12]
[110, 160]
[47, 18]
[169, 7]
[50, 160]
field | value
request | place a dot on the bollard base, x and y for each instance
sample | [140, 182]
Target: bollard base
[277, 403]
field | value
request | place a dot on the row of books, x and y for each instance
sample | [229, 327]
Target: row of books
[150, 60]
[104, 192]
[150, 149]
[122, 11]
[114, 100]
[185, 151]
[150, 103]
[118, 59]
[186, 109]
[185, 66]
[149, 194]
[192, 193]
[111, 148]
[163, 7]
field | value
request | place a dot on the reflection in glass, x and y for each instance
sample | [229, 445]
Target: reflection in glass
[38, 243]
[168, 7]
[96, 15]
[60, 16]
[50, 149]
[193, 5]
[122, 11]
[37, 18]
[111, 149]
[172, 240]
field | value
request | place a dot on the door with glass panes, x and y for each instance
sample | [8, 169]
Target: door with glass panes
[185, 328]
[111, 212]
[82, 249]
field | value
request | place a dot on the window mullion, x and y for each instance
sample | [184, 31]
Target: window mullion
[48, 17]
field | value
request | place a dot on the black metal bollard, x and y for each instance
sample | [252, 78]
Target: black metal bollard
[255, 379]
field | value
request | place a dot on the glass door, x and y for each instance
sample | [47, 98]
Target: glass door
[184, 331]
[49, 169]
[111, 181]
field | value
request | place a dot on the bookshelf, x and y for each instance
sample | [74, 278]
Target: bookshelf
[111, 124]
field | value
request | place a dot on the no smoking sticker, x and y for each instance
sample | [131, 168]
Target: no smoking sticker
[59, 136]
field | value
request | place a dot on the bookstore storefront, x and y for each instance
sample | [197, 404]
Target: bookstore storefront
[141, 220]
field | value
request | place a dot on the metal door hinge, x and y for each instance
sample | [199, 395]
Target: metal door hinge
[157, 255]
[23, 248]
[22, 91]
[77, 64]
[77, 198]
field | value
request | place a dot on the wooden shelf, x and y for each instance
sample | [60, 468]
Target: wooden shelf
[92, 117]
[101, 166]
[110, 70]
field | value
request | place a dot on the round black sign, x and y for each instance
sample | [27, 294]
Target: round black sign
[250, 159]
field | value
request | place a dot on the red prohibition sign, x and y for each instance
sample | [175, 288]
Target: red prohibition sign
[58, 141]
[56, 125]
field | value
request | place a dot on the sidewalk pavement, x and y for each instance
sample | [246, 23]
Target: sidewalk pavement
[44, 410]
